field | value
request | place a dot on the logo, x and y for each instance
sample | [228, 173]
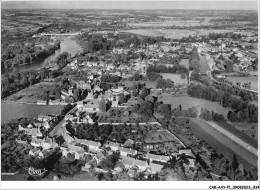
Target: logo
[36, 172]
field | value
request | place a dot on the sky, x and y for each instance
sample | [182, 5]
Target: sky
[184, 4]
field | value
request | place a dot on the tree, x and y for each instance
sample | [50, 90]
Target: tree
[144, 93]
[135, 92]
[121, 98]
[78, 94]
[102, 104]
[136, 76]
[229, 66]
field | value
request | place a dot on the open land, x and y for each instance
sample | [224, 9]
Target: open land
[252, 79]
[16, 111]
[176, 78]
[167, 33]
[30, 94]
[188, 102]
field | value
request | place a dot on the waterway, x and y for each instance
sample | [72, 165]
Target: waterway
[68, 44]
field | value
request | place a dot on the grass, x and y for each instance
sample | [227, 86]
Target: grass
[176, 78]
[16, 111]
[206, 32]
[149, 84]
[251, 129]
[187, 102]
[167, 23]
[167, 33]
[252, 79]
[30, 94]
[159, 137]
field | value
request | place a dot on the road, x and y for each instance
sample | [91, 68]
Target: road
[60, 127]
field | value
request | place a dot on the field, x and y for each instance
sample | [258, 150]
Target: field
[252, 79]
[168, 23]
[149, 84]
[176, 78]
[30, 94]
[159, 136]
[167, 33]
[16, 111]
[187, 102]
[207, 31]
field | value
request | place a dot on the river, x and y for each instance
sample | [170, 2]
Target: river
[67, 45]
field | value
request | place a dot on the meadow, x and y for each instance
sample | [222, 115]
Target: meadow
[252, 79]
[16, 111]
[188, 102]
[176, 78]
[167, 33]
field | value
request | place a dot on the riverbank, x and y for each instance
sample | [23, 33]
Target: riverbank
[67, 44]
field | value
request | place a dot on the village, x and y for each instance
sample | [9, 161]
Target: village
[140, 107]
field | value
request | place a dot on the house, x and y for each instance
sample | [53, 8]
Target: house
[92, 145]
[119, 167]
[142, 165]
[188, 153]
[127, 162]
[185, 63]
[46, 144]
[155, 168]
[42, 102]
[99, 157]
[70, 117]
[44, 118]
[35, 132]
[129, 143]
[54, 102]
[101, 170]
[90, 106]
[77, 150]
[35, 152]
[114, 146]
[67, 138]
[127, 151]
[159, 158]
[36, 142]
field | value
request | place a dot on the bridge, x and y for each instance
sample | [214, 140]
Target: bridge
[57, 34]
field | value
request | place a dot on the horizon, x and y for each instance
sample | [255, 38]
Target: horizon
[132, 5]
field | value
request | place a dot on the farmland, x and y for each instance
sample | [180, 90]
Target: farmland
[167, 33]
[16, 111]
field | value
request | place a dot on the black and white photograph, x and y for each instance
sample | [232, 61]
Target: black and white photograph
[102, 94]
